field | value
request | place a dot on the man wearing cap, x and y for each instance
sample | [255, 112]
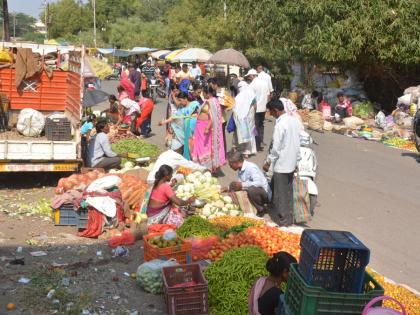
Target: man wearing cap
[262, 93]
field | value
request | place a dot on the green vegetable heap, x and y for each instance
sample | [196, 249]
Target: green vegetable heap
[141, 148]
[196, 226]
[231, 278]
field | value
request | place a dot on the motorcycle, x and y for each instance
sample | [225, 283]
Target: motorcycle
[307, 167]
[416, 129]
[153, 86]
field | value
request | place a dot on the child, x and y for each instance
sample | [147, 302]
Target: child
[264, 297]
[343, 108]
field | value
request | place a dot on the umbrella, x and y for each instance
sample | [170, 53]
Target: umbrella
[159, 53]
[175, 53]
[193, 54]
[230, 57]
[94, 97]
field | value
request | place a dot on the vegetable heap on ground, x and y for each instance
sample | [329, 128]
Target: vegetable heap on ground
[205, 187]
[410, 301]
[227, 222]
[400, 144]
[137, 147]
[196, 226]
[231, 278]
[270, 239]
[77, 181]
[132, 190]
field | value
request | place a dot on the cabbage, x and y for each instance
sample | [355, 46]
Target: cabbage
[129, 165]
[227, 199]
[190, 178]
[207, 174]
[233, 213]
[206, 211]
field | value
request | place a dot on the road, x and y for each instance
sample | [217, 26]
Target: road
[366, 188]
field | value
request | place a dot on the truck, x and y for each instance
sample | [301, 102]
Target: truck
[60, 92]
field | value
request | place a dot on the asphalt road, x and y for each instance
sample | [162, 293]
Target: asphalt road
[365, 187]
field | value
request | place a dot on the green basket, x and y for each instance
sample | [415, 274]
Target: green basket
[303, 299]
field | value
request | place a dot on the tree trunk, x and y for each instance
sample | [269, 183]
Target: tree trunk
[6, 34]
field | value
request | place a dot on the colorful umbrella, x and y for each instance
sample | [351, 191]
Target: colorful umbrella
[229, 57]
[193, 54]
[158, 54]
[175, 53]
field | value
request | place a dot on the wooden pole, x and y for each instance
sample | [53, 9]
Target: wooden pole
[6, 33]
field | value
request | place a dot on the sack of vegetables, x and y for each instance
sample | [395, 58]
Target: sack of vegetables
[149, 275]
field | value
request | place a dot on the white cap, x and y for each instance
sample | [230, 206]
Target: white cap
[252, 72]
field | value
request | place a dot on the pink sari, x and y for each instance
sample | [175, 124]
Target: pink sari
[128, 87]
[254, 295]
[208, 149]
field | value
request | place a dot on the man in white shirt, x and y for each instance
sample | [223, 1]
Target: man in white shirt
[195, 70]
[251, 180]
[266, 77]
[262, 94]
[284, 156]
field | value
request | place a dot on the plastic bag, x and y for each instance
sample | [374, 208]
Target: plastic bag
[169, 235]
[380, 120]
[30, 123]
[149, 275]
[5, 56]
[101, 184]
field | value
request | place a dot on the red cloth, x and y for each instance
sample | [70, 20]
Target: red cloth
[146, 106]
[160, 228]
[94, 225]
[128, 87]
[126, 238]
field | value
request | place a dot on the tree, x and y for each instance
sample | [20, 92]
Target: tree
[23, 24]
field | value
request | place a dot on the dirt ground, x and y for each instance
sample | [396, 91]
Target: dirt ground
[85, 276]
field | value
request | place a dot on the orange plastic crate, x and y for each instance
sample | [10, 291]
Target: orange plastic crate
[182, 253]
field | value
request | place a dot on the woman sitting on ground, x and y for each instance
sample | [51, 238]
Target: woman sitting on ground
[265, 295]
[162, 198]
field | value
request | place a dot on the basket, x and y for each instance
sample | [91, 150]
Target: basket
[58, 129]
[185, 300]
[182, 253]
[66, 216]
[303, 299]
[333, 260]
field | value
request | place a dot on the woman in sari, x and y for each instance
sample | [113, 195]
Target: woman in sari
[162, 198]
[183, 124]
[208, 145]
[244, 116]
[266, 295]
[125, 90]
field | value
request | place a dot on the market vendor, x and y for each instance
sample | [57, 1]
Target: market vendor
[251, 180]
[343, 108]
[266, 294]
[162, 197]
[100, 154]
[130, 110]
[143, 122]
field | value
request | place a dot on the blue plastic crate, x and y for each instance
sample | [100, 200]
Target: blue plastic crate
[333, 260]
[66, 215]
[82, 218]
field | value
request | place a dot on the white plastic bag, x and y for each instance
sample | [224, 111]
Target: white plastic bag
[380, 120]
[104, 183]
[30, 122]
[149, 275]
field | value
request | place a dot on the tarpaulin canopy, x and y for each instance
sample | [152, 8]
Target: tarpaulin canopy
[142, 50]
[125, 53]
[175, 53]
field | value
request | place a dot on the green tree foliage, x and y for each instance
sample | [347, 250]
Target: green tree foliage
[23, 23]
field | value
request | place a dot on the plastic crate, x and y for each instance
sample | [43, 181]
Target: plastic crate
[186, 300]
[82, 219]
[65, 216]
[303, 299]
[58, 129]
[334, 260]
[182, 253]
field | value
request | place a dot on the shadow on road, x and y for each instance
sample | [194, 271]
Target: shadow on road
[415, 156]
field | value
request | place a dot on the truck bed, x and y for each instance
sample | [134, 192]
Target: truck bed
[15, 135]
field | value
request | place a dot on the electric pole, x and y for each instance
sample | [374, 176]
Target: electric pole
[6, 34]
[14, 25]
[94, 23]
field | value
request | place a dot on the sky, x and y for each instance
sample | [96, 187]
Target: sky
[30, 7]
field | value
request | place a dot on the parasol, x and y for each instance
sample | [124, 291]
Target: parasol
[94, 97]
[159, 53]
[229, 57]
[193, 54]
[175, 53]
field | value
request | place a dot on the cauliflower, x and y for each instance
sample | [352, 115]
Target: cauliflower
[207, 174]
[129, 165]
[227, 199]
[233, 213]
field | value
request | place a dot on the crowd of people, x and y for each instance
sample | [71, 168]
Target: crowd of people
[198, 116]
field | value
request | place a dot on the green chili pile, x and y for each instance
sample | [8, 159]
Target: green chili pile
[231, 278]
[196, 226]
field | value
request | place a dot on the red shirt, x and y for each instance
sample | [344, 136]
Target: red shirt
[146, 107]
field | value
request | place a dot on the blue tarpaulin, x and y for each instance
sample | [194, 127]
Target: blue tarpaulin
[125, 53]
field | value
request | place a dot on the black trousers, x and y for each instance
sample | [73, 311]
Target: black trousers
[281, 211]
[224, 135]
[258, 197]
[259, 124]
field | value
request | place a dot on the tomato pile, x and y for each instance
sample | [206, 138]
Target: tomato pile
[270, 239]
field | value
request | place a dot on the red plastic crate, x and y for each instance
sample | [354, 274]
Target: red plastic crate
[186, 300]
[182, 253]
